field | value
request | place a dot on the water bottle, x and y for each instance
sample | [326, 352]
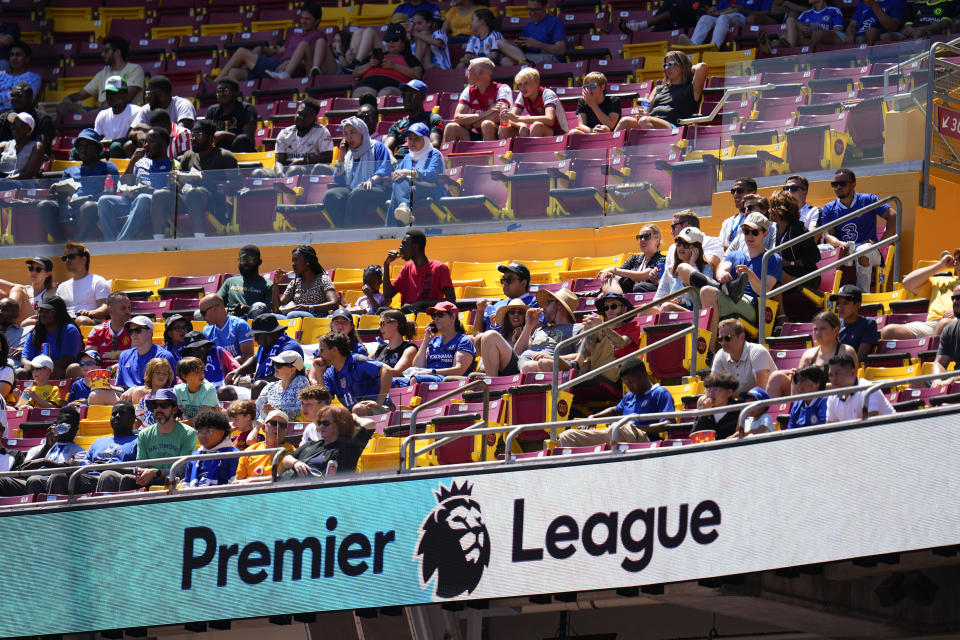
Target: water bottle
[331, 469]
[108, 184]
[63, 428]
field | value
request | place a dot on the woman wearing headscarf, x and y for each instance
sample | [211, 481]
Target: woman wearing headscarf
[361, 177]
[421, 167]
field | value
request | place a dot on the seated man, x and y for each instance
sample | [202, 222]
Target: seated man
[273, 340]
[949, 349]
[610, 343]
[643, 397]
[798, 186]
[236, 120]
[146, 173]
[748, 362]
[78, 190]
[861, 231]
[477, 116]
[725, 14]
[113, 123]
[159, 95]
[226, 331]
[935, 283]
[808, 413]
[543, 39]
[721, 391]
[841, 408]
[114, 53]
[85, 293]
[422, 282]
[855, 330]
[360, 384]
[133, 361]
[109, 338]
[516, 284]
[166, 438]
[258, 468]
[713, 248]
[248, 294]
[304, 142]
[17, 73]
[181, 137]
[876, 20]
[926, 17]
[821, 24]
[546, 115]
[413, 93]
[21, 101]
[59, 450]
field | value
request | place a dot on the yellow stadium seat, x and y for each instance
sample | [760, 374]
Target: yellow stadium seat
[121, 163]
[550, 267]
[94, 428]
[139, 285]
[351, 296]
[482, 292]
[273, 25]
[85, 331]
[337, 16]
[99, 412]
[312, 329]
[60, 165]
[589, 267]
[171, 32]
[647, 50]
[719, 63]
[876, 374]
[368, 322]
[121, 13]
[85, 441]
[342, 274]
[373, 15]
[678, 391]
[198, 325]
[468, 273]
[265, 158]
[293, 325]
[227, 28]
[380, 454]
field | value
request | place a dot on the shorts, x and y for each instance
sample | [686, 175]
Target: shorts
[263, 65]
[745, 308]
[923, 329]
[512, 368]
[379, 82]
[540, 57]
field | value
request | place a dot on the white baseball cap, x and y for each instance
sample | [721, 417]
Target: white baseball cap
[23, 117]
[42, 361]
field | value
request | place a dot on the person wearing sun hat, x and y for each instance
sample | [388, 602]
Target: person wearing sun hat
[613, 342]
[21, 158]
[497, 354]
[421, 166]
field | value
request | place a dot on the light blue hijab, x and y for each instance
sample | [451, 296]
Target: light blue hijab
[358, 164]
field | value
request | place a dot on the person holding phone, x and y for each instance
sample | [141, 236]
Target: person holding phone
[688, 246]
[446, 350]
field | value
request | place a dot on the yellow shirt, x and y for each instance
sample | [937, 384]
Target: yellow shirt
[48, 392]
[938, 290]
[258, 466]
[459, 24]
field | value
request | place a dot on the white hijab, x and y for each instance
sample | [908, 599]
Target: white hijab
[354, 155]
[424, 151]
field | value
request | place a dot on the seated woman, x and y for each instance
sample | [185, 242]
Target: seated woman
[29, 296]
[21, 158]
[175, 329]
[826, 335]
[446, 350]
[395, 350]
[546, 116]
[416, 177]
[486, 35]
[284, 393]
[158, 375]
[292, 58]
[641, 271]
[495, 357]
[613, 342]
[384, 71]
[596, 112]
[54, 335]
[213, 434]
[799, 259]
[342, 440]
[677, 98]
[689, 243]
[311, 293]
[360, 177]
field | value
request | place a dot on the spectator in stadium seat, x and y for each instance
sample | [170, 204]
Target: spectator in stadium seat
[109, 338]
[168, 437]
[411, 7]
[360, 177]
[395, 350]
[21, 158]
[416, 178]
[59, 450]
[17, 73]
[928, 17]
[311, 293]
[159, 95]
[80, 390]
[800, 259]
[875, 20]
[485, 39]
[313, 400]
[671, 15]
[797, 186]
[272, 339]
[360, 383]
[719, 18]
[613, 342]
[385, 71]
[457, 19]
[28, 296]
[721, 391]
[642, 271]
[642, 398]
[743, 289]
[304, 142]
[235, 119]
[278, 62]
[146, 173]
[214, 164]
[248, 294]
[543, 39]
[428, 40]
[688, 259]
[840, 408]
[596, 111]
[808, 413]
[40, 395]
[413, 94]
[114, 53]
[133, 361]
[218, 360]
[284, 392]
[85, 293]
[546, 115]
[543, 331]
[678, 97]
[175, 329]
[516, 285]
[370, 114]
[498, 358]
[158, 375]
[12, 333]
[120, 446]
[80, 205]
[748, 362]
[422, 282]
[712, 247]
[55, 335]
[821, 24]
[929, 282]
[113, 123]
[861, 230]
[243, 418]
[257, 468]
[213, 434]
[477, 116]
[181, 138]
[744, 191]
[225, 330]
[949, 349]
[342, 440]
[21, 101]
[195, 395]
[446, 350]
[856, 331]
[826, 335]
[372, 299]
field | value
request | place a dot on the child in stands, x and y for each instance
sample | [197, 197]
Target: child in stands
[545, 113]
[596, 112]
[40, 395]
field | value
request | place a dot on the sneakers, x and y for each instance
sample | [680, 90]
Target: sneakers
[403, 214]
[735, 287]
[683, 40]
[629, 26]
[279, 75]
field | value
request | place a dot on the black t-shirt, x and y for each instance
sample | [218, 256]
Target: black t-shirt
[608, 106]
[673, 102]
[234, 123]
[725, 427]
[399, 129]
[391, 357]
[950, 342]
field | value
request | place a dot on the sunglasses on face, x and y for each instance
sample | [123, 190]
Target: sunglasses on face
[35, 269]
[954, 297]
[508, 280]
[610, 307]
[670, 64]
[752, 232]
[737, 190]
[725, 338]
[592, 85]
[203, 312]
[836, 184]
[135, 330]
[179, 328]
[276, 423]
[792, 188]
[383, 322]
[70, 256]
[281, 365]
[162, 405]
[644, 236]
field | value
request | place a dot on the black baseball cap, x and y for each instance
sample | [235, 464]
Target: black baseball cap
[46, 262]
[515, 267]
[342, 313]
[850, 291]
[195, 340]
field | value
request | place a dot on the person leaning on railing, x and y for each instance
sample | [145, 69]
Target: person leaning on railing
[341, 442]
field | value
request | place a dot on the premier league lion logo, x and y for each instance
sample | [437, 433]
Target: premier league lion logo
[454, 542]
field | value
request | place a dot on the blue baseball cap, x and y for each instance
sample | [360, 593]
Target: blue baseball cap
[417, 85]
[419, 129]
[89, 134]
[758, 393]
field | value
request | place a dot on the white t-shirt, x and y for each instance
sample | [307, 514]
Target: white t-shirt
[549, 99]
[712, 247]
[114, 126]
[179, 108]
[851, 408]
[317, 140]
[83, 293]
[754, 358]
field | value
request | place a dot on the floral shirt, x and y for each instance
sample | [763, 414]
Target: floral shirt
[316, 294]
[287, 400]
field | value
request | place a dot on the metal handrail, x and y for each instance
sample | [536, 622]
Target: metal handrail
[891, 383]
[765, 295]
[728, 91]
[452, 394]
[556, 387]
[43, 471]
[226, 455]
[915, 58]
[928, 133]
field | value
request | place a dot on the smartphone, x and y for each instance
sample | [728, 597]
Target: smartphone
[378, 55]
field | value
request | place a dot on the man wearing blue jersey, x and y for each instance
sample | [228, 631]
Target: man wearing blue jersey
[822, 24]
[724, 15]
[808, 413]
[876, 20]
[359, 383]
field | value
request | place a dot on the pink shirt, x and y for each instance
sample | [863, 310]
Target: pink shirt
[294, 40]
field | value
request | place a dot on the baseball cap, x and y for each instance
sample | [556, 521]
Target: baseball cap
[94, 354]
[42, 361]
[342, 313]
[47, 263]
[267, 323]
[758, 393]
[395, 32]
[277, 414]
[757, 221]
[194, 340]
[615, 296]
[515, 267]
[419, 129]
[690, 235]
[115, 83]
[141, 321]
[23, 117]
[288, 357]
[850, 291]
[416, 85]
[442, 306]
[52, 303]
[174, 318]
[89, 134]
